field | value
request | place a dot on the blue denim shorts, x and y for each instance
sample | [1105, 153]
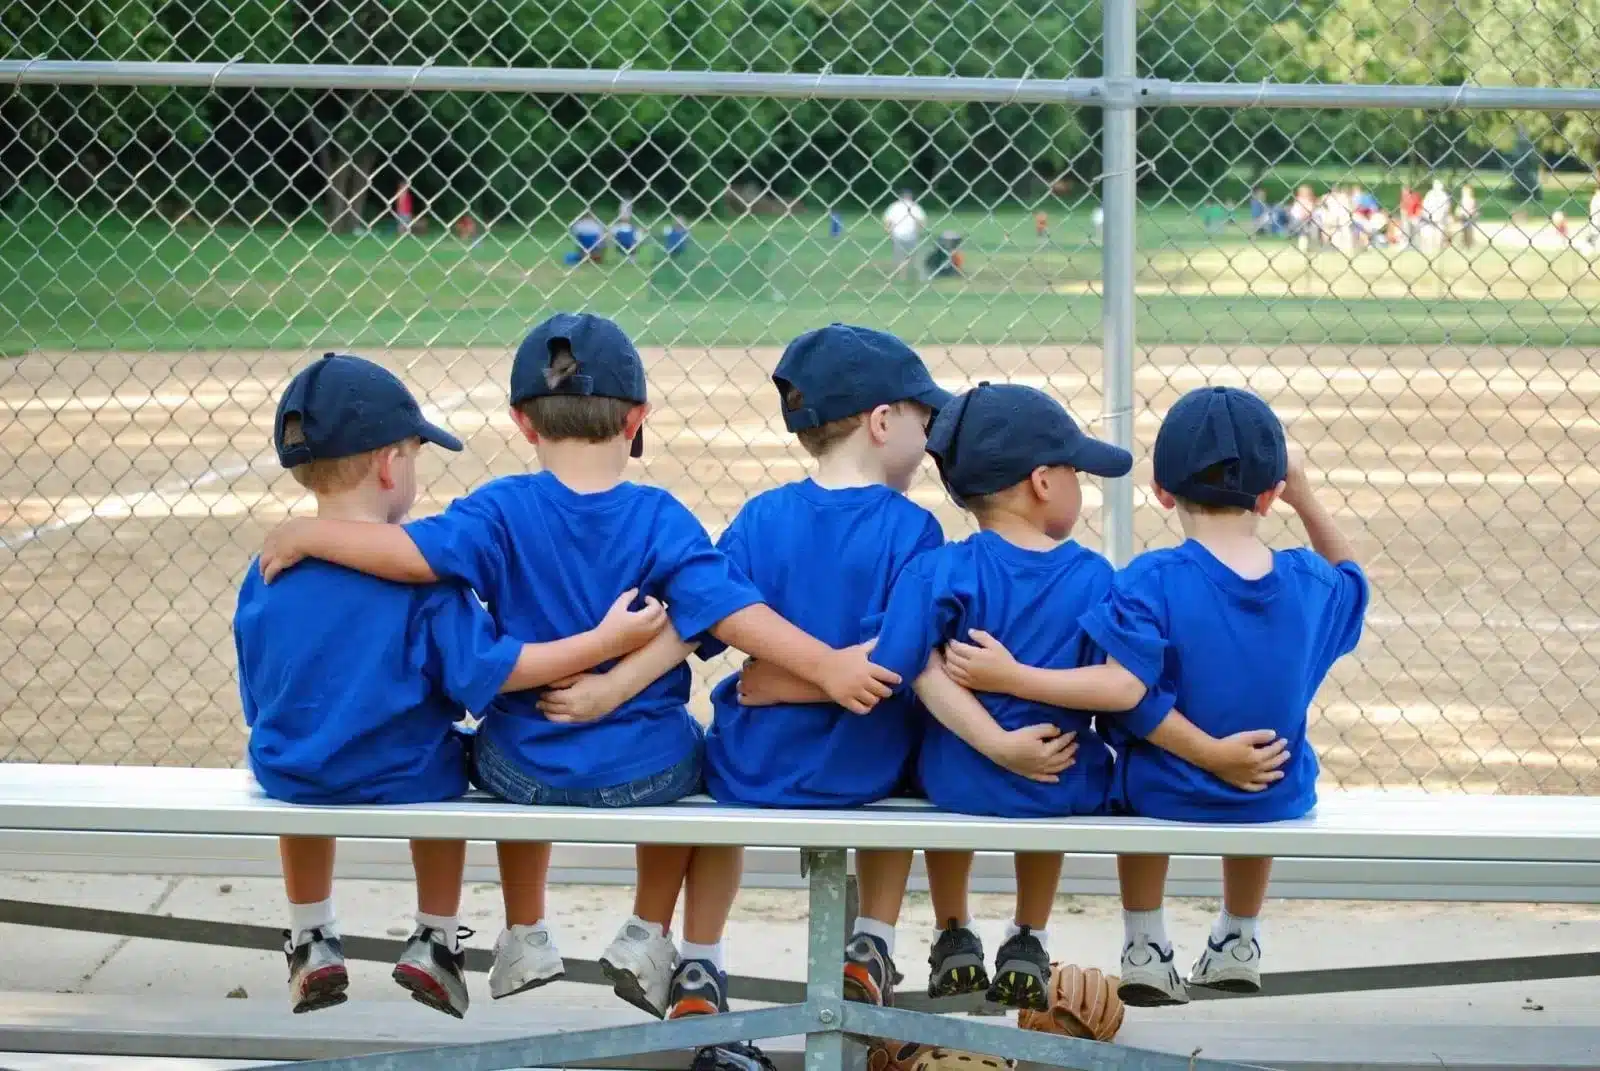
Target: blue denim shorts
[494, 773]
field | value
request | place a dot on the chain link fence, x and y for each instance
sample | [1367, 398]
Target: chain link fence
[1376, 213]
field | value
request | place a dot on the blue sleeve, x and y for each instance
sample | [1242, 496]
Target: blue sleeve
[466, 658]
[930, 538]
[464, 543]
[1346, 611]
[699, 583]
[735, 544]
[1129, 625]
[923, 612]
[1151, 711]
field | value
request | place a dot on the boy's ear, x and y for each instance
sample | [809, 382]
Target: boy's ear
[635, 420]
[524, 425]
[1163, 496]
[878, 423]
[1265, 499]
[1039, 482]
[383, 465]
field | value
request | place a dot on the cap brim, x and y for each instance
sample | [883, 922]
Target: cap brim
[935, 398]
[637, 449]
[432, 433]
[1101, 458]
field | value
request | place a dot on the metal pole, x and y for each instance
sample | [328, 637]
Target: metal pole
[1119, 193]
[825, 958]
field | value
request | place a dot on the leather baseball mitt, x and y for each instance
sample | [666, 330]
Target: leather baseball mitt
[955, 1060]
[886, 1055]
[1083, 1004]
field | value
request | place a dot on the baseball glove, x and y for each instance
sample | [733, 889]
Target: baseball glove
[1083, 1004]
[955, 1060]
[886, 1055]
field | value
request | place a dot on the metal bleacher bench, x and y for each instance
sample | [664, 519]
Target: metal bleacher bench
[1521, 844]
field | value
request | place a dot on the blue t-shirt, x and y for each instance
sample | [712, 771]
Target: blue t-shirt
[549, 562]
[351, 684]
[1030, 601]
[824, 559]
[1231, 654]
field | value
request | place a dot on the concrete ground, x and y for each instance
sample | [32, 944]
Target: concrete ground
[766, 937]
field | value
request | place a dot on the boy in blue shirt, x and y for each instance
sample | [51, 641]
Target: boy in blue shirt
[1012, 456]
[549, 552]
[1239, 636]
[351, 684]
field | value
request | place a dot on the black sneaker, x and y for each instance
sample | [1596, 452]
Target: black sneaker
[317, 975]
[955, 965]
[433, 974]
[698, 988]
[1022, 973]
[734, 1056]
[868, 971]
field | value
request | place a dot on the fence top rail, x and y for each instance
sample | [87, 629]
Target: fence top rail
[1377, 825]
[1138, 92]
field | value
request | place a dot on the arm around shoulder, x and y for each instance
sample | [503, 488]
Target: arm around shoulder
[377, 549]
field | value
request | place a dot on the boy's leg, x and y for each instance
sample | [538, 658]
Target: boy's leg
[525, 954]
[431, 966]
[955, 963]
[869, 972]
[640, 959]
[1149, 977]
[317, 975]
[700, 980]
[1232, 958]
[1022, 966]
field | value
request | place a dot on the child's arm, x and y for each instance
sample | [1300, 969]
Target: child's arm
[762, 684]
[591, 696]
[844, 675]
[382, 550]
[986, 666]
[621, 632]
[1321, 529]
[1250, 760]
[1037, 752]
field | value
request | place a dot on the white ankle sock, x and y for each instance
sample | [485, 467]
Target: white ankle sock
[654, 929]
[1148, 924]
[445, 925]
[1042, 936]
[1227, 926]
[712, 954]
[883, 931]
[303, 917]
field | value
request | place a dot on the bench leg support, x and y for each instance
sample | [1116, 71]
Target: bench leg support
[825, 958]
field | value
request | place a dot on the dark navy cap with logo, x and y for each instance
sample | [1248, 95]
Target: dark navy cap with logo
[1222, 428]
[841, 370]
[608, 364]
[995, 435]
[348, 405]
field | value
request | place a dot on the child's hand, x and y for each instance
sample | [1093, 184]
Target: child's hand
[1296, 486]
[758, 684]
[1037, 752]
[583, 698]
[282, 548]
[628, 630]
[981, 666]
[853, 682]
[1249, 761]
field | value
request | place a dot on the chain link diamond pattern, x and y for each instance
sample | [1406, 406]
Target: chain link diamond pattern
[169, 256]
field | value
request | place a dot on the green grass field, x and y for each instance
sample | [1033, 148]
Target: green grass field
[78, 283]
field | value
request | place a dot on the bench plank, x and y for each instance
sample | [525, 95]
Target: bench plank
[1373, 825]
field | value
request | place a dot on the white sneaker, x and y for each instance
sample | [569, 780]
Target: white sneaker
[525, 957]
[1149, 979]
[1234, 966]
[639, 966]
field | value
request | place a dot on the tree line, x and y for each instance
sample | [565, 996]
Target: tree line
[249, 154]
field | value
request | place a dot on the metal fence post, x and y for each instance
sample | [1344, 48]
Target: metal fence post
[825, 955]
[1119, 192]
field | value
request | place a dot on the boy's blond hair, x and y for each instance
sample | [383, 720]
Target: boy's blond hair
[335, 475]
[574, 416]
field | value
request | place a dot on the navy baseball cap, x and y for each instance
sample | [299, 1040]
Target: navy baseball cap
[608, 364]
[995, 435]
[348, 405]
[842, 370]
[1226, 427]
